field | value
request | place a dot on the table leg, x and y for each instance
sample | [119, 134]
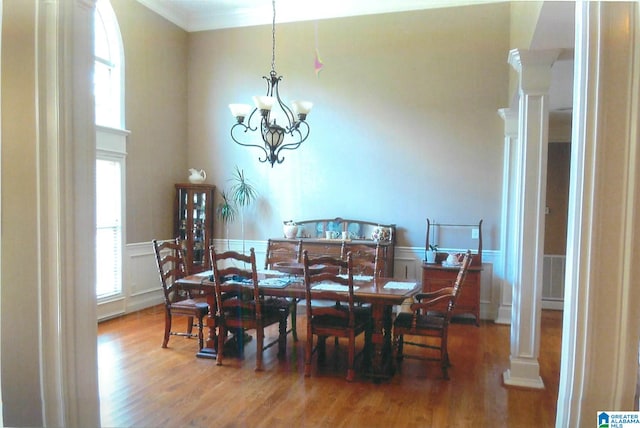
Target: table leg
[210, 349]
[380, 367]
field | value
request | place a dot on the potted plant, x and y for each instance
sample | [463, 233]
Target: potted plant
[242, 194]
[432, 252]
[226, 212]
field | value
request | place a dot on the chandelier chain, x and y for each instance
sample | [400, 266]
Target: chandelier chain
[273, 39]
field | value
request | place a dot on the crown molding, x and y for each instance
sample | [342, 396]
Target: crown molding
[204, 15]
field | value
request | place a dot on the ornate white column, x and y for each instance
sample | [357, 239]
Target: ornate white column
[66, 213]
[509, 208]
[534, 69]
[601, 326]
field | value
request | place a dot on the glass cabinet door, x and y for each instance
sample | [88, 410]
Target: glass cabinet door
[199, 231]
[182, 214]
[194, 223]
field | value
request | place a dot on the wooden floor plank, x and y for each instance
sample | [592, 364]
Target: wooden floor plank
[142, 384]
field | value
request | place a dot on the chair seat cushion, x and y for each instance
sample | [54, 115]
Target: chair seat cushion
[270, 312]
[425, 322]
[278, 302]
[360, 311]
[361, 320]
[191, 304]
[364, 310]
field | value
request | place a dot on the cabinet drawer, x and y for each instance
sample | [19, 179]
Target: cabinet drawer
[316, 250]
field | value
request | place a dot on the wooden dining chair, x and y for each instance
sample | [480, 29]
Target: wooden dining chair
[285, 251]
[434, 326]
[282, 251]
[171, 267]
[341, 318]
[240, 306]
[367, 260]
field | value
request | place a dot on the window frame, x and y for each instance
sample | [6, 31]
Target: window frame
[117, 290]
[111, 136]
[111, 145]
[115, 62]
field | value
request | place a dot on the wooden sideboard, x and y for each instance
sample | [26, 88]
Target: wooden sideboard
[436, 276]
[312, 233]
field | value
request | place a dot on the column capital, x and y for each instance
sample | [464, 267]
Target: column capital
[534, 68]
[510, 118]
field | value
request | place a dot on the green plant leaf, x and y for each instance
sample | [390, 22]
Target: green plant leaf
[243, 193]
[225, 210]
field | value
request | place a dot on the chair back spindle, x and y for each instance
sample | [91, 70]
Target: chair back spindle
[367, 260]
[282, 251]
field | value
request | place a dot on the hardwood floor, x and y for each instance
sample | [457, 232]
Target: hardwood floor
[142, 384]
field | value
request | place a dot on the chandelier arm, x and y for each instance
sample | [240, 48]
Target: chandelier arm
[246, 128]
[249, 120]
[296, 130]
[275, 156]
[270, 82]
[285, 108]
[266, 158]
[291, 146]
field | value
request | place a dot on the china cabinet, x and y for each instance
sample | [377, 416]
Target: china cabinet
[193, 210]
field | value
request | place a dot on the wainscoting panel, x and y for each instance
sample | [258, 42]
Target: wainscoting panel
[140, 284]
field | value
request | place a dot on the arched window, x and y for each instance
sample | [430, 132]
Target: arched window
[111, 139]
[109, 67]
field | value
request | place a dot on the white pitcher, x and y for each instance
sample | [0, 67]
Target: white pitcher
[196, 176]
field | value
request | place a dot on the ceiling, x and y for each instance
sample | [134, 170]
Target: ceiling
[200, 15]
[555, 28]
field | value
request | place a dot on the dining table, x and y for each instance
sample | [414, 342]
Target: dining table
[381, 293]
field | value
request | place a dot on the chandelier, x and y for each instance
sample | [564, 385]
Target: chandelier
[273, 134]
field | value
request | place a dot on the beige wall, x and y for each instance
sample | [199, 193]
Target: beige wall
[555, 232]
[156, 114]
[21, 397]
[404, 125]
[524, 18]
